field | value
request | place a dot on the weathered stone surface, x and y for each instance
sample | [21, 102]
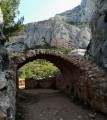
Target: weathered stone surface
[2, 115]
[77, 52]
[53, 32]
[7, 81]
[8, 93]
[56, 32]
[99, 34]
[45, 83]
[3, 80]
[80, 78]
[80, 14]
[11, 92]
[16, 47]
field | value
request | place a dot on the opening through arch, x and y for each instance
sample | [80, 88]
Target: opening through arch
[68, 69]
[38, 74]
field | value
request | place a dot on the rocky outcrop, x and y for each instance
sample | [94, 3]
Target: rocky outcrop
[80, 14]
[77, 52]
[7, 81]
[7, 94]
[98, 44]
[60, 31]
[53, 32]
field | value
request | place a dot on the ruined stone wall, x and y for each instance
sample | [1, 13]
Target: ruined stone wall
[88, 83]
[45, 83]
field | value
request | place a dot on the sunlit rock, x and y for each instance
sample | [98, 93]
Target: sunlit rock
[80, 14]
[54, 33]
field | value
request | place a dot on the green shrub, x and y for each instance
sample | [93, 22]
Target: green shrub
[37, 69]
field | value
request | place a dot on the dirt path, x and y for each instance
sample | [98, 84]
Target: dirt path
[42, 104]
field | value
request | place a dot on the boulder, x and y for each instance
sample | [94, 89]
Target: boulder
[77, 52]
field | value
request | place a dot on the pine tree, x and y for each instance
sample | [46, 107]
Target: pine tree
[10, 12]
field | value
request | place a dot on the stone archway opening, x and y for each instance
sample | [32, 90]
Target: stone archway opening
[67, 65]
[67, 68]
[37, 74]
[80, 78]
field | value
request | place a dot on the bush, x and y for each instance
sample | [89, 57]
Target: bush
[38, 69]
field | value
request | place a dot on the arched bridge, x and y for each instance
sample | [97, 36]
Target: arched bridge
[80, 78]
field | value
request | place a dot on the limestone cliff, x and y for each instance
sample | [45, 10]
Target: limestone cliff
[58, 31]
[98, 26]
[80, 14]
[53, 32]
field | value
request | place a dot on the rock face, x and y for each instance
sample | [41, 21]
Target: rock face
[98, 42]
[55, 33]
[58, 31]
[80, 14]
[7, 81]
[7, 94]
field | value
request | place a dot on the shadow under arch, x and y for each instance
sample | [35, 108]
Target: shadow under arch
[69, 71]
[81, 78]
[39, 73]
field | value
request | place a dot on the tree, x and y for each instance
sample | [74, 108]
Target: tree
[37, 69]
[10, 12]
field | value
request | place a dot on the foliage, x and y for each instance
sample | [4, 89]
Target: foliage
[64, 51]
[10, 12]
[37, 69]
[81, 25]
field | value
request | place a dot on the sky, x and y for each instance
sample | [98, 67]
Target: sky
[38, 10]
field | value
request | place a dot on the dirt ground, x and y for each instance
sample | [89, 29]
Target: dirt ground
[46, 104]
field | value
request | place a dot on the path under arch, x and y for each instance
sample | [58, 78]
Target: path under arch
[48, 104]
[80, 77]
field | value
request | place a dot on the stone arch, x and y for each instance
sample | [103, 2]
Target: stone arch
[81, 78]
[66, 67]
